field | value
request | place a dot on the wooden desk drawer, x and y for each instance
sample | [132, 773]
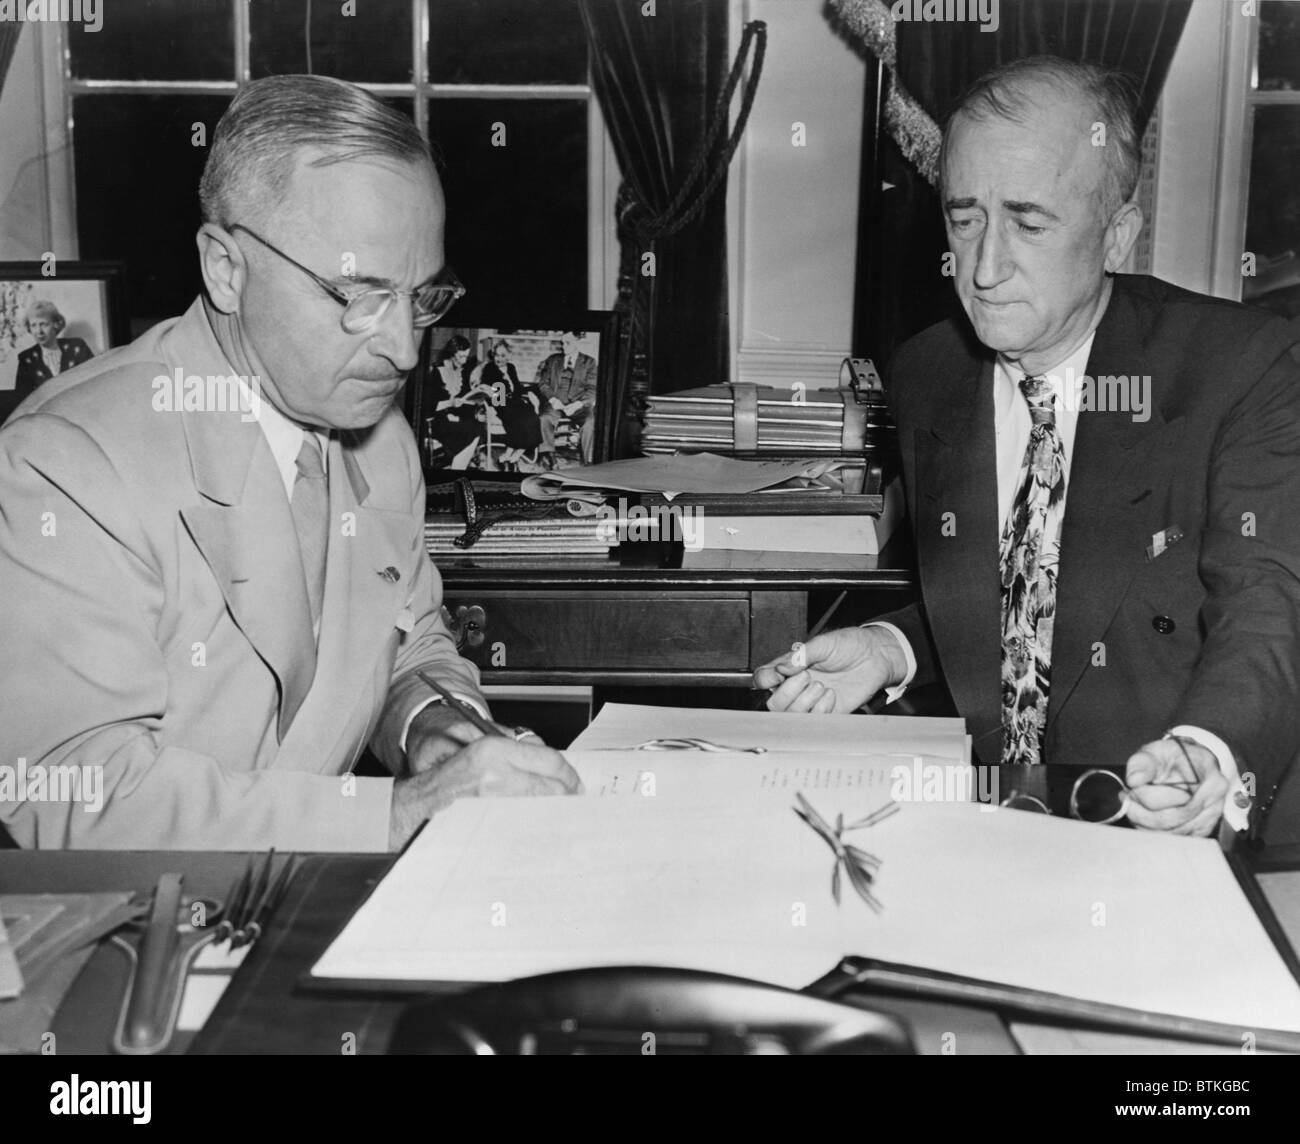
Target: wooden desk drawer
[610, 631]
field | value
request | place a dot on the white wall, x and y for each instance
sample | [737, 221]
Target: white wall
[793, 227]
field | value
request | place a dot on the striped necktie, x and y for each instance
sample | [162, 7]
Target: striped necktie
[310, 506]
[1029, 555]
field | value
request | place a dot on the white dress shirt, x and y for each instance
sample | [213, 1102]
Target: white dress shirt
[1011, 426]
[285, 439]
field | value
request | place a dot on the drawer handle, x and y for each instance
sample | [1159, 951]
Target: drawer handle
[468, 625]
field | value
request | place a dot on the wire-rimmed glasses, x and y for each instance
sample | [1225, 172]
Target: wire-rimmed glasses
[1097, 795]
[364, 307]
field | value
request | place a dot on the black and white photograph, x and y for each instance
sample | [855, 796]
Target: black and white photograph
[53, 317]
[650, 527]
[512, 400]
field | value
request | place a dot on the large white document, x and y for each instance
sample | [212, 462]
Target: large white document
[626, 725]
[717, 776]
[503, 888]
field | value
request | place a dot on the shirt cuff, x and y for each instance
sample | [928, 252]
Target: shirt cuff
[406, 727]
[892, 694]
[1236, 804]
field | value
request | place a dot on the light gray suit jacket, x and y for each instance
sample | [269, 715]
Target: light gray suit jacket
[154, 623]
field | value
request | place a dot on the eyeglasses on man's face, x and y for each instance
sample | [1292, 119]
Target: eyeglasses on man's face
[364, 307]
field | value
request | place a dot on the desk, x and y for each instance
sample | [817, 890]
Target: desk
[640, 619]
[265, 1010]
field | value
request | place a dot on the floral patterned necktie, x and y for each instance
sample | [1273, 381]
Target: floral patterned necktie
[1029, 555]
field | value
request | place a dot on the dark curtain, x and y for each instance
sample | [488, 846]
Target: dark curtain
[901, 234]
[658, 78]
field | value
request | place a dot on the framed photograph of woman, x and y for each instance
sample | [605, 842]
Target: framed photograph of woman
[520, 396]
[53, 317]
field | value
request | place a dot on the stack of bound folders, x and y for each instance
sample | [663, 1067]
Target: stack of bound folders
[851, 510]
[482, 520]
[772, 421]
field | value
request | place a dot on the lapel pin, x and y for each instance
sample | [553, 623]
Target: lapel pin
[391, 574]
[1162, 540]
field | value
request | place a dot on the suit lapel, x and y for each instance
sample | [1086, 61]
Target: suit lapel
[243, 525]
[1102, 540]
[958, 553]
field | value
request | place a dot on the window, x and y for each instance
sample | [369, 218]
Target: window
[1273, 199]
[500, 88]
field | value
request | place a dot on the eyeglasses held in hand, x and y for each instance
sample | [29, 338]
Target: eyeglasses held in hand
[363, 308]
[1097, 796]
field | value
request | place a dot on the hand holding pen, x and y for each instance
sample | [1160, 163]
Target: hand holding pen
[448, 725]
[469, 756]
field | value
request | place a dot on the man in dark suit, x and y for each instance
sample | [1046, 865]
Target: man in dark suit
[1141, 440]
[51, 355]
[568, 381]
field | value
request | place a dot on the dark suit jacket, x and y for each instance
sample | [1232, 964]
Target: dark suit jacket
[1207, 633]
[582, 388]
[32, 369]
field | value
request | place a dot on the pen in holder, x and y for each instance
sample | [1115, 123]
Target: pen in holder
[174, 933]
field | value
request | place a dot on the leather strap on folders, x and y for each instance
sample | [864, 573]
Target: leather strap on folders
[853, 431]
[745, 418]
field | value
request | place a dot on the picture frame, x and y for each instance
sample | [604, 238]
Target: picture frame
[80, 312]
[518, 405]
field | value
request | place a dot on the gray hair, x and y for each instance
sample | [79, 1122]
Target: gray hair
[47, 310]
[255, 145]
[1111, 98]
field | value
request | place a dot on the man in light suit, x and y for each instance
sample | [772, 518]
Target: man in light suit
[1110, 558]
[214, 590]
[567, 380]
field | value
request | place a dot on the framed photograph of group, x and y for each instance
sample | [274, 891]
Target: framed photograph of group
[53, 317]
[518, 394]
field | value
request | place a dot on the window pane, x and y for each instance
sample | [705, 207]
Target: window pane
[1273, 212]
[156, 39]
[138, 192]
[516, 214]
[506, 41]
[371, 46]
[1279, 46]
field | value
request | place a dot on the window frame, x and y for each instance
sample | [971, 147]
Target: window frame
[61, 88]
[1239, 84]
